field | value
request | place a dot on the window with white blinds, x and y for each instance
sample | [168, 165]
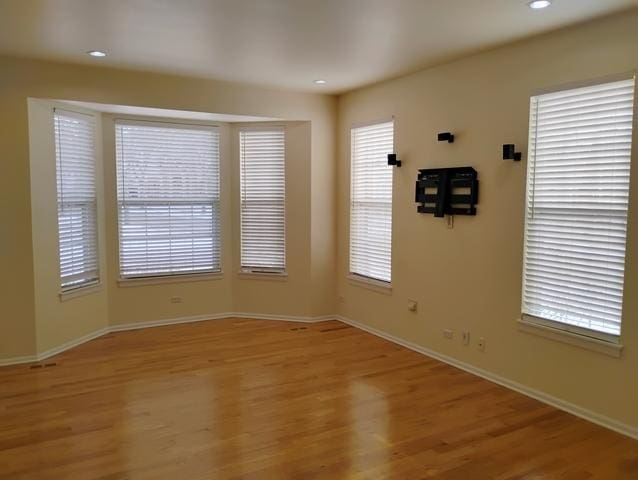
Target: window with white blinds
[263, 199]
[577, 194]
[168, 199]
[371, 201]
[76, 197]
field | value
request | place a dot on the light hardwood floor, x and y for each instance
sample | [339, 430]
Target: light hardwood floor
[248, 399]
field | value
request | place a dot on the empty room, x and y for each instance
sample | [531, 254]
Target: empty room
[318, 239]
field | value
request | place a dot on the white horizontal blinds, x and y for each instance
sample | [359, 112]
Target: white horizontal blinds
[263, 195]
[168, 199]
[77, 205]
[577, 194]
[371, 201]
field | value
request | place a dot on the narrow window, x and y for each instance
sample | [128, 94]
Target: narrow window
[77, 203]
[168, 199]
[263, 199]
[577, 196]
[371, 201]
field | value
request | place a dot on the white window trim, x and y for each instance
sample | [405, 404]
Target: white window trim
[584, 83]
[355, 278]
[256, 272]
[74, 291]
[154, 279]
[164, 279]
[559, 334]
[81, 291]
[370, 283]
[589, 339]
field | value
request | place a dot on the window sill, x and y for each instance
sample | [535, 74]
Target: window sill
[80, 291]
[574, 339]
[257, 275]
[144, 281]
[370, 284]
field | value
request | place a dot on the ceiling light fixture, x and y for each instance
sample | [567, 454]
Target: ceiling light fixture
[320, 82]
[96, 53]
[538, 4]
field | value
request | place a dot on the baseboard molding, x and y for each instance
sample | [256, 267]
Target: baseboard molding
[157, 323]
[563, 405]
[71, 344]
[285, 318]
[5, 362]
[167, 321]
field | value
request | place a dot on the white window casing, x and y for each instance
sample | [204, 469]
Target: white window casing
[76, 199]
[371, 201]
[168, 194]
[263, 199]
[576, 208]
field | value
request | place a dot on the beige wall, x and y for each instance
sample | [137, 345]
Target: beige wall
[22, 79]
[56, 321]
[469, 277]
[290, 295]
[133, 301]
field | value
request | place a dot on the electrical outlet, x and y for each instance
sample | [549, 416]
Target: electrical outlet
[176, 299]
[449, 334]
[481, 344]
[412, 305]
[466, 337]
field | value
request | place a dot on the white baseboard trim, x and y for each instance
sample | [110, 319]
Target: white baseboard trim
[285, 318]
[72, 343]
[167, 321]
[568, 407]
[156, 323]
[5, 362]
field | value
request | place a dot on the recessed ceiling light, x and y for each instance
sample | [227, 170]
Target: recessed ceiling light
[96, 53]
[321, 82]
[538, 4]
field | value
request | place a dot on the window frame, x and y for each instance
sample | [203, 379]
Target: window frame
[371, 283]
[541, 324]
[79, 289]
[169, 277]
[255, 271]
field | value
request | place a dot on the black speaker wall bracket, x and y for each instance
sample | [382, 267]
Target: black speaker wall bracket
[393, 161]
[510, 153]
[445, 137]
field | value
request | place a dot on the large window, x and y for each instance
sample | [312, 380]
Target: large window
[168, 199]
[577, 194]
[263, 195]
[371, 201]
[77, 206]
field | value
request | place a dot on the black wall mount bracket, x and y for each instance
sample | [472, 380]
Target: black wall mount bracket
[445, 137]
[510, 153]
[392, 160]
[452, 191]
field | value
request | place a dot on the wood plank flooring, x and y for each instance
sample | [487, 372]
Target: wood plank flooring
[249, 399]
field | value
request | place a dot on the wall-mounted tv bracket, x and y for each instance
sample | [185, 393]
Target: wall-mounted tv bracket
[445, 137]
[510, 153]
[452, 191]
[392, 160]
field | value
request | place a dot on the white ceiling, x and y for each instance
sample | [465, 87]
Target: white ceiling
[278, 43]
